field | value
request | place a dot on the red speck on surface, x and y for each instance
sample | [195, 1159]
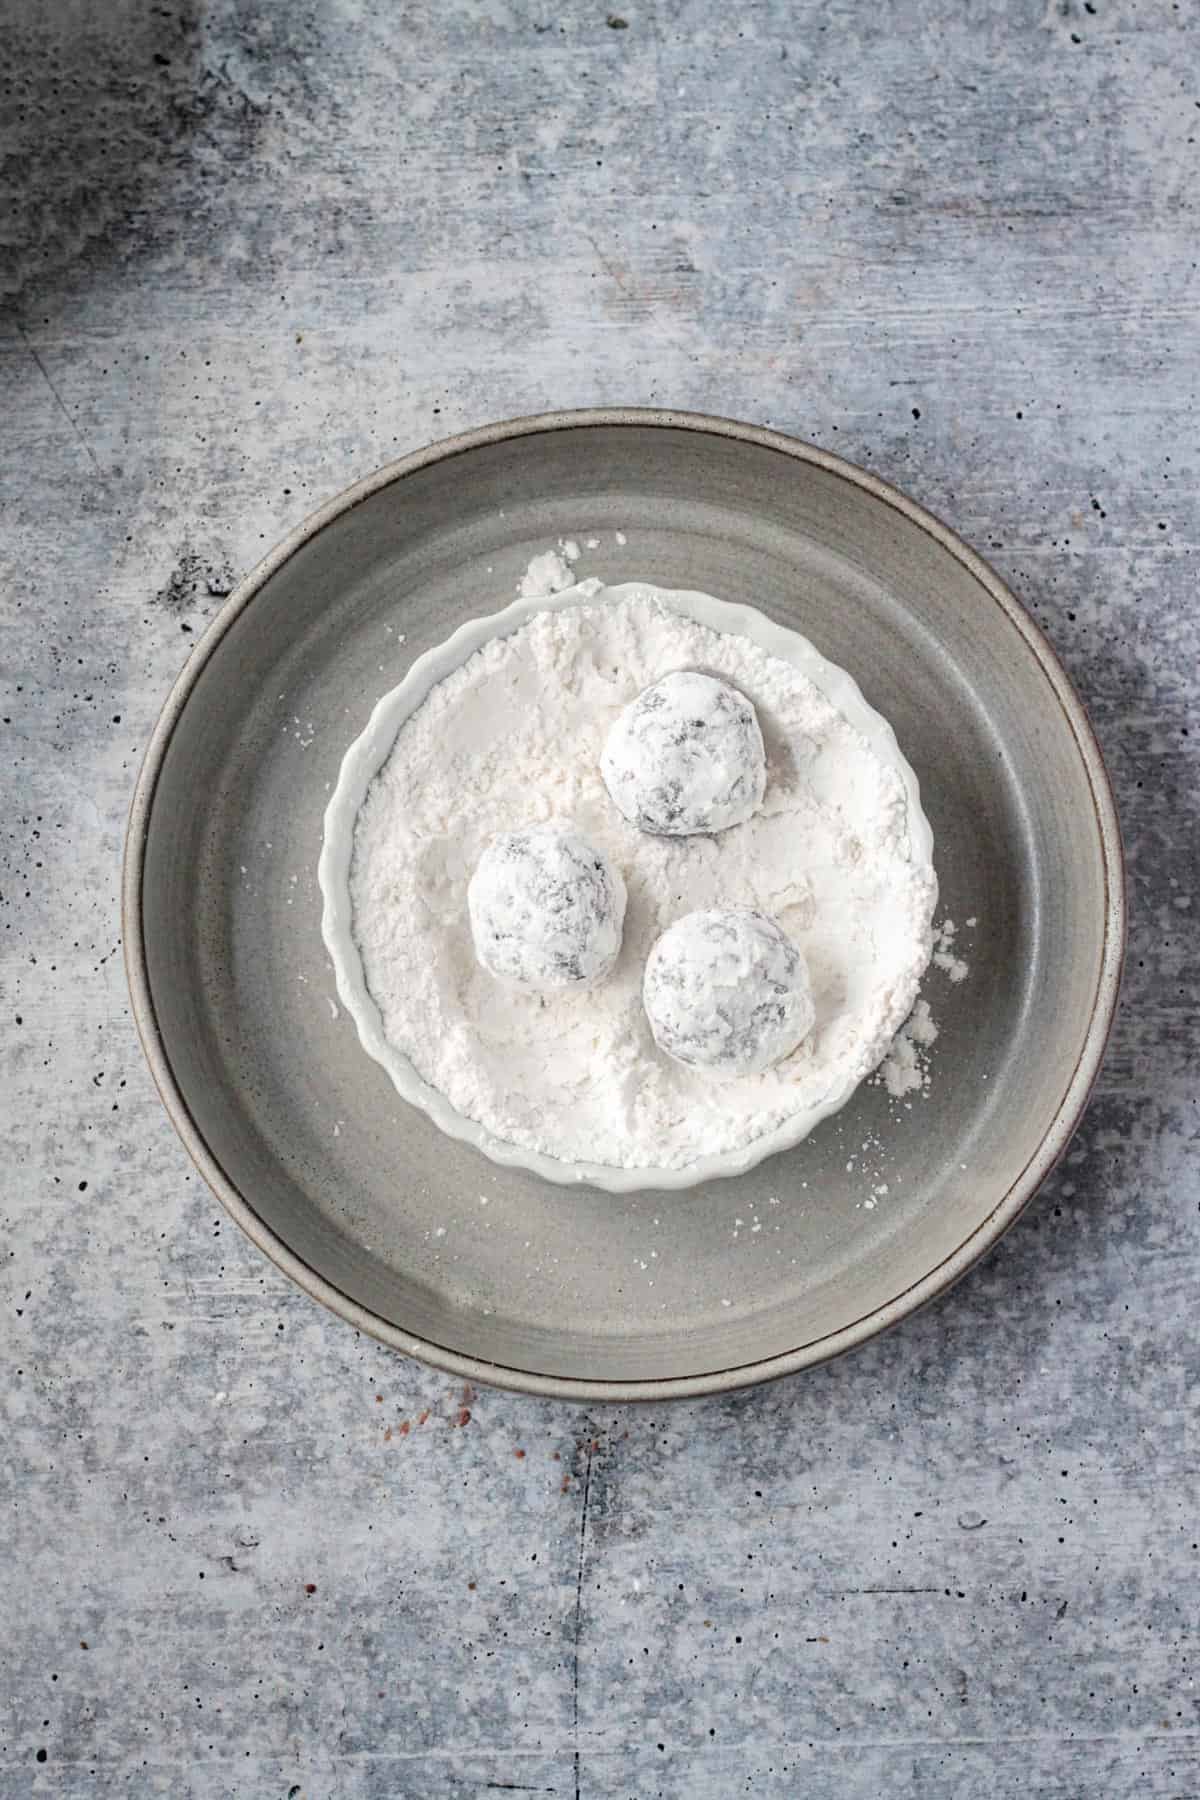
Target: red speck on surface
[566, 1482]
[387, 1436]
[310, 1587]
[379, 1399]
[520, 1455]
[470, 1587]
[422, 1418]
[464, 1417]
[404, 1428]
[556, 1457]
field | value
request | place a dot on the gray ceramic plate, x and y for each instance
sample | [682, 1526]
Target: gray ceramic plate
[574, 1291]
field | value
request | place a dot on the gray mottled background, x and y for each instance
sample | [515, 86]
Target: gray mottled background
[249, 249]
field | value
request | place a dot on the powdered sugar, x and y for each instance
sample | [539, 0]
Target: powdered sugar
[513, 739]
[944, 955]
[547, 574]
[905, 1069]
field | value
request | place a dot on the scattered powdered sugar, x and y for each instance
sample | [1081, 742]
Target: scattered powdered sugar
[871, 1164]
[944, 957]
[513, 739]
[303, 733]
[905, 1068]
[547, 574]
[551, 572]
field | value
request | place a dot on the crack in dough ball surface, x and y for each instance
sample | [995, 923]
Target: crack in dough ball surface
[727, 992]
[685, 757]
[546, 909]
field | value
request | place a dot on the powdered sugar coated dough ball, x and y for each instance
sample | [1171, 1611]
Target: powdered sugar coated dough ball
[686, 756]
[546, 909]
[727, 992]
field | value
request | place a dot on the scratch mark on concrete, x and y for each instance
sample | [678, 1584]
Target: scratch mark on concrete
[517, 1787]
[848, 1592]
[58, 399]
[613, 270]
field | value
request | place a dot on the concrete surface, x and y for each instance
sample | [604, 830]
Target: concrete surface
[250, 251]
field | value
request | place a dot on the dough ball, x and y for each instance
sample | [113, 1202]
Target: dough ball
[546, 909]
[727, 992]
[686, 756]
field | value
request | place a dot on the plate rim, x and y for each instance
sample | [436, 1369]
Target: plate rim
[936, 1281]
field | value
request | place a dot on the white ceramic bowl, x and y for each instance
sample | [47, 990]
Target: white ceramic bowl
[370, 751]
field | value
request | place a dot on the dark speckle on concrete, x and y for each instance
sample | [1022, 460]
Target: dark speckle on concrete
[194, 582]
